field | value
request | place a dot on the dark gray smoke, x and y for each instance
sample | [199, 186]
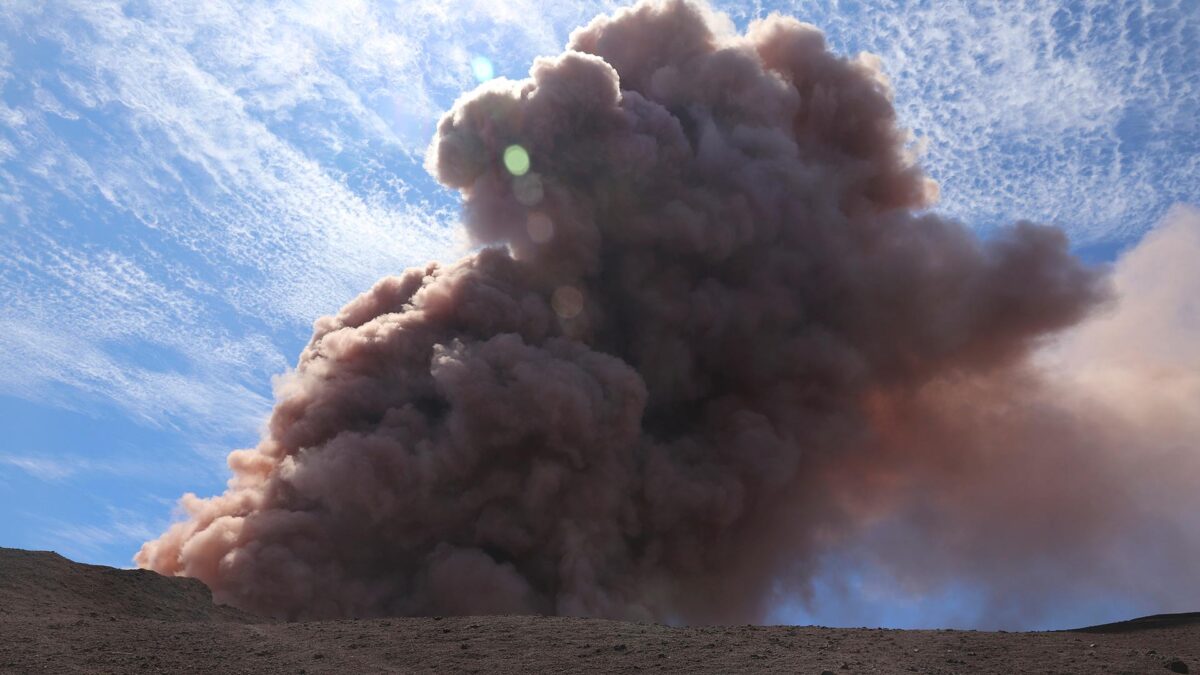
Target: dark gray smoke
[710, 336]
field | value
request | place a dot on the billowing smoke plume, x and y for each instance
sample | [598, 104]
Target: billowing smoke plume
[1062, 487]
[709, 336]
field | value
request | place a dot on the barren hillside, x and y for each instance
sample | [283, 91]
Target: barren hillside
[57, 616]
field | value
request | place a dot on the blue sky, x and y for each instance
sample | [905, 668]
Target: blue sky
[186, 186]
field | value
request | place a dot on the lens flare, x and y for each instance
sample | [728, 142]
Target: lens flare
[540, 227]
[567, 302]
[516, 160]
[528, 189]
[482, 68]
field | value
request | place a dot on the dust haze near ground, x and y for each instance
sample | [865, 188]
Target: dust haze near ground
[712, 335]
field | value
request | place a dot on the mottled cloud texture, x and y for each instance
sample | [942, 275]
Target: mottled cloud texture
[708, 337]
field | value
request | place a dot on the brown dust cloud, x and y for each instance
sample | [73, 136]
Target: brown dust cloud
[711, 334]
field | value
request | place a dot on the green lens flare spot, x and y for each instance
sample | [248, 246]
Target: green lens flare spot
[516, 160]
[482, 69]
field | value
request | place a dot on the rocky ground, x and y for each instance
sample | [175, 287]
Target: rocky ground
[57, 616]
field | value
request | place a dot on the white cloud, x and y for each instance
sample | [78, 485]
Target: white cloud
[1081, 114]
[60, 467]
[190, 184]
[122, 529]
[40, 467]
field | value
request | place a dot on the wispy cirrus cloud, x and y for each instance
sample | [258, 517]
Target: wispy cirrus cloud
[207, 178]
[119, 528]
[197, 182]
[65, 467]
[42, 468]
[1081, 114]
[185, 186]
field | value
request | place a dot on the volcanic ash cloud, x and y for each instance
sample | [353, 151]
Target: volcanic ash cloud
[664, 386]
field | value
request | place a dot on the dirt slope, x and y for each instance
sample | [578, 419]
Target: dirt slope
[57, 616]
[45, 584]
